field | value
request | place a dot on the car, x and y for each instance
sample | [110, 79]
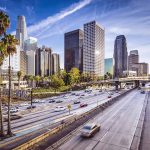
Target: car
[90, 129]
[76, 102]
[13, 110]
[51, 101]
[30, 107]
[36, 101]
[111, 93]
[139, 88]
[142, 92]
[109, 96]
[83, 105]
[73, 93]
[24, 104]
[59, 101]
[59, 108]
[82, 94]
[100, 90]
[65, 96]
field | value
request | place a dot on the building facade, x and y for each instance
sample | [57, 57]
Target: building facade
[21, 31]
[73, 50]
[133, 58]
[30, 44]
[142, 69]
[23, 62]
[93, 49]
[43, 61]
[55, 63]
[120, 56]
[30, 62]
[109, 65]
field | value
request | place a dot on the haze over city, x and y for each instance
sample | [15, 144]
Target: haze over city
[49, 20]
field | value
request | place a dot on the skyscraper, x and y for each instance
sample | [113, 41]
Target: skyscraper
[73, 46]
[23, 62]
[109, 65]
[133, 58]
[93, 49]
[120, 56]
[55, 63]
[43, 61]
[30, 44]
[21, 31]
[30, 62]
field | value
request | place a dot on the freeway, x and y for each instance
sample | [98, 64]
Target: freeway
[41, 119]
[118, 125]
[49, 115]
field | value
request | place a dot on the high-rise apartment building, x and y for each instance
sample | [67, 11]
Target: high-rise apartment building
[30, 62]
[133, 58]
[23, 62]
[120, 56]
[93, 49]
[43, 61]
[55, 63]
[73, 50]
[21, 31]
[30, 44]
[109, 65]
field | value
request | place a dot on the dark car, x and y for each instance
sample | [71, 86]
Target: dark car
[30, 107]
[109, 96]
[51, 101]
[83, 105]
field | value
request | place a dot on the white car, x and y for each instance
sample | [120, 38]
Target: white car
[90, 129]
[13, 110]
[59, 108]
[24, 104]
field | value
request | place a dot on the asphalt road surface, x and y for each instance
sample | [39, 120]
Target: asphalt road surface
[118, 125]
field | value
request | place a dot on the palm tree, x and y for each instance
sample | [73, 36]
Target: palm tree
[10, 42]
[19, 74]
[37, 79]
[31, 78]
[4, 24]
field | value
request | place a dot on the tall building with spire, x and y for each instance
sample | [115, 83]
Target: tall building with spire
[21, 31]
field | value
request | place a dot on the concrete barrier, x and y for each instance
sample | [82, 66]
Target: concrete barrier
[28, 145]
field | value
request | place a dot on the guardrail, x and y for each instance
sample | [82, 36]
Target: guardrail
[85, 116]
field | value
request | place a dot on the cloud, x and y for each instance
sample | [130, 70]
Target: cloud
[52, 19]
[3, 9]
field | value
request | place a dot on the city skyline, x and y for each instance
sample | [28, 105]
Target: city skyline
[54, 23]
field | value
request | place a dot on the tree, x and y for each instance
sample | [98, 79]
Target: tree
[19, 75]
[56, 82]
[10, 42]
[31, 79]
[4, 24]
[37, 79]
[75, 75]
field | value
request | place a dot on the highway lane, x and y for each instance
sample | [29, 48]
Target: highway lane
[50, 115]
[118, 125]
[30, 128]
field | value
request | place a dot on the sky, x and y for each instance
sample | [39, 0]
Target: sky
[48, 20]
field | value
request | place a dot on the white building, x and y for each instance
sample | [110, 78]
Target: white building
[55, 63]
[30, 62]
[30, 44]
[14, 61]
[93, 49]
